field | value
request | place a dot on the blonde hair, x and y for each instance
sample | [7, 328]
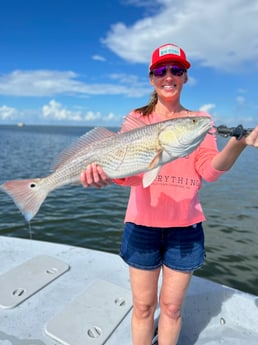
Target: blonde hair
[149, 108]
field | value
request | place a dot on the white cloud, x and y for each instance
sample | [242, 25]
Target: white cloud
[8, 113]
[221, 34]
[56, 112]
[98, 58]
[91, 116]
[242, 91]
[42, 83]
[207, 107]
[111, 117]
[240, 100]
[191, 81]
[37, 83]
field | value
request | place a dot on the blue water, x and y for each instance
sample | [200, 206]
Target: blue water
[94, 218]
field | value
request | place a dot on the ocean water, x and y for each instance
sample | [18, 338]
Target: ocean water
[94, 218]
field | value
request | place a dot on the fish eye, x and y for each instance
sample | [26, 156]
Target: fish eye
[32, 185]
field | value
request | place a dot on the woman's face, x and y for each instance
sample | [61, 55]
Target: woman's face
[168, 80]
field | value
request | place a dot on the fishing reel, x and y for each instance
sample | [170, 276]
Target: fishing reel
[238, 132]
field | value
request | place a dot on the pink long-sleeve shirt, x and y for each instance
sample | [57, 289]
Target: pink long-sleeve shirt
[172, 200]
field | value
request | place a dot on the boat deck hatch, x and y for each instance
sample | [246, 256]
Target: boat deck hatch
[24, 280]
[93, 316]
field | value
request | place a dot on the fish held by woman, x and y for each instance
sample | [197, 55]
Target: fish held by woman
[140, 149]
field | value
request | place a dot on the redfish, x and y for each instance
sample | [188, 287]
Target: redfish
[140, 149]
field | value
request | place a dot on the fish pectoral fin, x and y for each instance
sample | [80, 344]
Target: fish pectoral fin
[156, 159]
[150, 176]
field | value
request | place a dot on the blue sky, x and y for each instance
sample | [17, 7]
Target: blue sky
[85, 63]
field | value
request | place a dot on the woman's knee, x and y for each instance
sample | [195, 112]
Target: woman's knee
[144, 311]
[172, 311]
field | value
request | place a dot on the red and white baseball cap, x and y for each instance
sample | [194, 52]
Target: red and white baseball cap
[168, 53]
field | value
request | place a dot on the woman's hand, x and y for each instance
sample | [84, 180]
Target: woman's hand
[252, 138]
[94, 176]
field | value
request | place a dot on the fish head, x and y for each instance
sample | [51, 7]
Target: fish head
[181, 136]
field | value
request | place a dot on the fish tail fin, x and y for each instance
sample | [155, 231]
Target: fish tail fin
[28, 195]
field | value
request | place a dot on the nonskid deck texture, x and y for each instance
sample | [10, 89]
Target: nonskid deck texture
[215, 314]
[46, 315]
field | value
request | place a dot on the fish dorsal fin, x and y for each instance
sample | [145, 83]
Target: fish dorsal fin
[150, 176]
[96, 134]
[130, 123]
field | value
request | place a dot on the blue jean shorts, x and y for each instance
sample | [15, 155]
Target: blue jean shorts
[179, 248]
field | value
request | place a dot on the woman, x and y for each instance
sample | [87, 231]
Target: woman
[163, 223]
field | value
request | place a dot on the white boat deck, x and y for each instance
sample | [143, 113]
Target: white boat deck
[54, 294]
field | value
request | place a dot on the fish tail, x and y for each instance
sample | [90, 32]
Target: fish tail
[28, 195]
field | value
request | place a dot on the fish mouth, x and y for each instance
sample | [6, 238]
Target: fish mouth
[208, 128]
[212, 130]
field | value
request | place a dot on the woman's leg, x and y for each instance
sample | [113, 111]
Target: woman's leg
[173, 290]
[145, 295]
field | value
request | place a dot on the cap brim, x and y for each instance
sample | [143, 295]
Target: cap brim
[184, 62]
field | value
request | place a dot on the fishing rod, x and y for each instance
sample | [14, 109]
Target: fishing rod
[239, 132]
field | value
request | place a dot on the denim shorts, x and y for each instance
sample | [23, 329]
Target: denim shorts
[179, 248]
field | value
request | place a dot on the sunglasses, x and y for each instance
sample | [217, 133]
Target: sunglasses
[162, 71]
